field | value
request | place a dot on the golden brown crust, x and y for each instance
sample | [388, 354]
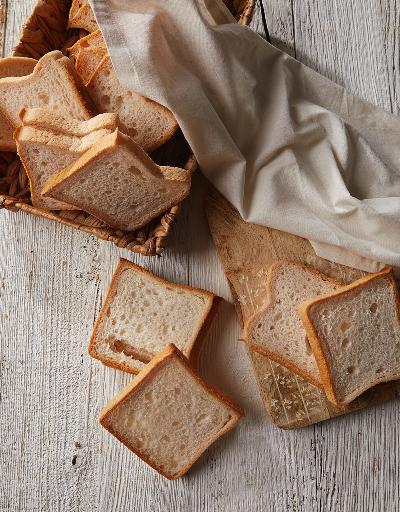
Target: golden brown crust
[198, 339]
[270, 304]
[318, 347]
[145, 375]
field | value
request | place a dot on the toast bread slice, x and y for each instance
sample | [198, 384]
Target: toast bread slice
[88, 60]
[44, 153]
[355, 335]
[84, 19]
[116, 182]
[168, 415]
[12, 67]
[149, 124]
[277, 331]
[142, 313]
[51, 85]
[49, 120]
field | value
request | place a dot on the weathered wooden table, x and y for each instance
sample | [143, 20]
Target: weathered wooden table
[53, 454]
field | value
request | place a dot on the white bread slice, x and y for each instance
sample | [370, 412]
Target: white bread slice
[58, 123]
[12, 67]
[45, 153]
[84, 19]
[142, 313]
[276, 331]
[355, 335]
[168, 415]
[93, 40]
[88, 60]
[116, 182]
[51, 85]
[149, 124]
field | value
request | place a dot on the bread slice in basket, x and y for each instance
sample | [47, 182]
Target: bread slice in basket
[277, 331]
[149, 124]
[142, 313]
[93, 40]
[168, 415]
[116, 182]
[88, 60]
[12, 67]
[355, 335]
[51, 84]
[83, 17]
[44, 153]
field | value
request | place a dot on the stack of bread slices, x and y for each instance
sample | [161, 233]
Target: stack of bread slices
[343, 339]
[83, 139]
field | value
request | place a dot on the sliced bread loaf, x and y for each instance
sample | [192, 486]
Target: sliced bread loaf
[45, 153]
[12, 67]
[355, 335]
[149, 124]
[277, 331]
[142, 313]
[58, 123]
[83, 19]
[93, 40]
[116, 182]
[51, 85]
[88, 60]
[168, 415]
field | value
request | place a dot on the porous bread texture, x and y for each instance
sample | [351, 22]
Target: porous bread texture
[143, 313]
[87, 61]
[149, 124]
[168, 415]
[277, 331]
[12, 67]
[51, 85]
[355, 336]
[44, 153]
[58, 123]
[84, 19]
[93, 40]
[75, 6]
[116, 182]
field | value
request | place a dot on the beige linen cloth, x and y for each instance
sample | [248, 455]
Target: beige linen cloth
[287, 147]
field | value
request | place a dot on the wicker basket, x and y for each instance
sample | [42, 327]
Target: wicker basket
[45, 31]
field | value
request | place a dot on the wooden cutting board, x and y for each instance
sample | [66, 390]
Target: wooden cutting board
[246, 251]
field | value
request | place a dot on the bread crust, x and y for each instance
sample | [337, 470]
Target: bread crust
[196, 344]
[170, 352]
[270, 304]
[318, 346]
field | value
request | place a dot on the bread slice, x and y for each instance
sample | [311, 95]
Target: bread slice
[355, 335]
[51, 85]
[142, 313]
[45, 153]
[84, 19]
[149, 124]
[75, 6]
[88, 60]
[93, 40]
[55, 122]
[12, 67]
[277, 331]
[116, 182]
[168, 415]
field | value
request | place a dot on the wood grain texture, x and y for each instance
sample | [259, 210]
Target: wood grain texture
[53, 454]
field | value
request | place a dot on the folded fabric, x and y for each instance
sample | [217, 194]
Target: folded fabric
[289, 148]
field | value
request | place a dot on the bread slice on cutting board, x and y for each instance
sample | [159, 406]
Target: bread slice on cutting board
[45, 153]
[277, 331]
[142, 313]
[355, 335]
[149, 124]
[51, 85]
[168, 415]
[12, 67]
[116, 182]
[48, 120]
